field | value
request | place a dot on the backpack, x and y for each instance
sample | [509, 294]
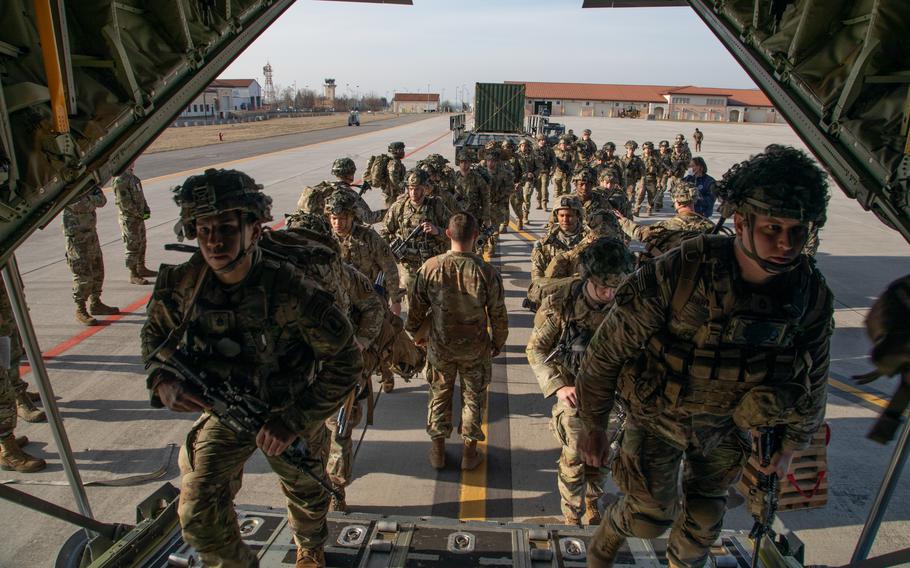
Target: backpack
[377, 172]
[542, 288]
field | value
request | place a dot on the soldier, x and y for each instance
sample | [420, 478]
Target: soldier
[563, 326]
[501, 187]
[672, 350]
[134, 211]
[704, 186]
[632, 168]
[416, 209]
[460, 295]
[589, 145]
[653, 168]
[438, 185]
[25, 400]
[228, 294]
[572, 138]
[681, 140]
[662, 236]
[611, 188]
[391, 180]
[83, 255]
[546, 164]
[529, 173]
[598, 210]
[565, 165]
[313, 199]
[679, 163]
[666, 161]
[472, 190]
[698, 136]
[567, 230]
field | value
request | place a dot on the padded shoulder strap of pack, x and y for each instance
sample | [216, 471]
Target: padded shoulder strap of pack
[691, 257]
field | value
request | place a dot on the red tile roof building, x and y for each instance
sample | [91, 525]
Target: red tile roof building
[415, 102]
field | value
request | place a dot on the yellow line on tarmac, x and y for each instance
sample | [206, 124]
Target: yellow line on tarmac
[524, 234]
[868, 397]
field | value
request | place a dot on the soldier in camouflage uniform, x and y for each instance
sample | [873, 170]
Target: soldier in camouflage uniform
[502, 184]
[632, 169]
[509, 159]
[572, 138]
[567, 229]
[219, 297]
[672, 350]
[564, 323]
[698, 136]
[313, 199]
[679, 163]
[417, 209]
[12, 458]
[134, 210]
[664, 235]
[598, 210]
[528, 174]
[664, 154]
[83, 255]
[652, 169]
[461, 296]
[613, 191]
[685, 151]
[546, 162]
[565, 166]
[440, 185]
[584, 149]
[613, 160]
[393, 180]
[472, 190]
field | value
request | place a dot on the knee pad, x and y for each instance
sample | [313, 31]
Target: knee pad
[706, 512]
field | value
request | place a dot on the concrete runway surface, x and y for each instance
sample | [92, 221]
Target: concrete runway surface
[98, 377]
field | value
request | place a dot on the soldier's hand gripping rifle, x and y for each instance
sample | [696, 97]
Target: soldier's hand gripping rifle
[234, 407]
[763, 497]
[400, 247]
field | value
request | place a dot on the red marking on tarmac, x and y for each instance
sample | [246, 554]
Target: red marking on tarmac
[68, 344]
[431, 142]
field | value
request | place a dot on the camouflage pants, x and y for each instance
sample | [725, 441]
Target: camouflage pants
[648, 191]
[475, 380]
[516, 200]
[562, 184]
[7, 403]
[83, 255]
[212, 463]
[543, 190]
[340, 448]
[631, 191]
[575, 480]
[133, 231]
[661, 190]
[499, 212]
[647, 470]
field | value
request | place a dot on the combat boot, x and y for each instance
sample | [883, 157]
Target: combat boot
[144, 270]
[438, 453]
[33, 396]
[521, 223]
[572, 520]
[336, 504]
[504, 228]
[26, 409]
[470, 457]
[592, 513]
[388, 385]
[539, 206]
[82, 315]
[603, 549]
[12, 458]
[99, 308]
[310, 558]
[136, 278]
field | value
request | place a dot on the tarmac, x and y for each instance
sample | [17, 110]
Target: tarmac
[98, 377]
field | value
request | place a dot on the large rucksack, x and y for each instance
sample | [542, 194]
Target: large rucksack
[377, 172]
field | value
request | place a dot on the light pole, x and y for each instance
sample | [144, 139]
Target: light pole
[428, 97]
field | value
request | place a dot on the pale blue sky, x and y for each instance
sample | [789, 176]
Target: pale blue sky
[450, 43]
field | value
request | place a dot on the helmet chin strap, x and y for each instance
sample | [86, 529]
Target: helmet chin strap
[751, 252]
[244, 251]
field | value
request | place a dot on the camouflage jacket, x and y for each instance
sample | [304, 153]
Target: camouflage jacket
[679, 163]
[403, 216]
[472, 192]
[653, 167]
[633, 169]
[397, 172]
[555, 242]
[462, 296]
[79, 217]
[599, 216]
[674, 354]
[546, 160]
[586, 148]
[370, 254]
[528, 167]
[565, 163]
[129, 197]
[313, 200]
[567, 305]
[502, 182]
[667, 162]
[282, 324]
[367, 310]
[447, 196]
[683, 221]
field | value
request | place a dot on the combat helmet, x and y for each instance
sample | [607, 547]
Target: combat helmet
[607, 259]
[567, 202]
[541, 136]
[508, 144]
[463, 156]
[684, 193]
[416, 177]
[609, 146]
[586, 131]
[600, 155]
[310, 221]
[217, 191]
[664, 144]
[649, 145]
[396, 147]
[343, 167]
[340, 202]
[680, 137]
[631, 144]
[780, 182]
[525, 142]
[586, 174]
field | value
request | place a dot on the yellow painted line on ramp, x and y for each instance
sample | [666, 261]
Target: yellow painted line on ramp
[524, 234]
[867, 396]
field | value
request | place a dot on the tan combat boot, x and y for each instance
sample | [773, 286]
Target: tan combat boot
[12, 458]
[137, 278]
[310, 558]
[82, 315]
[26, 409]
[603, 549]
[592, 513]
[336, 504]
[33, 396]
[99, 308]
[438, 453]
[470, 457]
[572, 519]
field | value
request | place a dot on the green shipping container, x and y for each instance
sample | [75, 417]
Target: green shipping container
[499, 107]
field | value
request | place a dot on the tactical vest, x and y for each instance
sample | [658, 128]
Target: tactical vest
[576, 336]
[741, 341]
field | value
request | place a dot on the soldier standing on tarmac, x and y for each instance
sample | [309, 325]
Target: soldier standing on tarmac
[656, 236]
[567, 229]
[134, 211]
[632, 168]
[565, 167]
[666, 161]
[219, 296]
[652, 168]
[672, 348]
[83, 255]
[613, 191]
[394, 178]
[598, 210]
[502, 184]
[547, 164]
[565, 322]
[698, 136]
[585, 148]
[613, 160]
[312, 199]
[460, 296]
[529, 173]
[472, 190]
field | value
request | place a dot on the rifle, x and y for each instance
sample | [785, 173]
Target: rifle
[363, 187]
[485, 236]
[398, 246]
[563, 166]
[763, 497]
[236, 408]
[344, 413]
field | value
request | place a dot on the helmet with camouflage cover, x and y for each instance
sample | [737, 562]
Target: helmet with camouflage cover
[585, 174]
[565, 139]
[310, 221]
[680, 137]
[540, 137]
[492, 154]
[525, 142]
[343, 167]
[567, 202]
[608, 173]
[340, 202]
[438, 160]
[218, 191]
[607, 259]
[416, 177]
[684, 193]
[586, 131]
[780, 182]
[631, 144]
[664, 144]
[609, 146]
[600, 155]
[508, 144]
[396, 147]
[463, 156]
[649, 145]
